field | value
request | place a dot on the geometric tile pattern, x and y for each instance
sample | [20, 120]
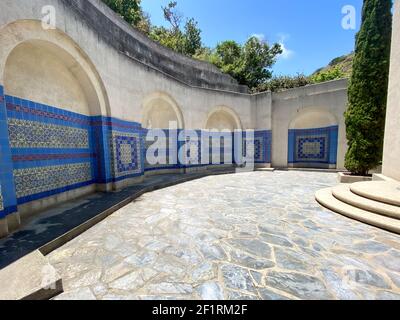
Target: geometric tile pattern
[126, 159]
[38, 110]
[33, 134]
[50, 149]
[33, 181]
[258, 146]
[249, 148]
[258, 149]
[193, 151]
[312, 148]
[127, 155]
[45, 157]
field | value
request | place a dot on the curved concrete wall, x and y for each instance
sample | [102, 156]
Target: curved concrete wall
[94, 84]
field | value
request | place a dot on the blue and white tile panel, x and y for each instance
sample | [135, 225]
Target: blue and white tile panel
[51, 149]
[313, 146]
[126, 155]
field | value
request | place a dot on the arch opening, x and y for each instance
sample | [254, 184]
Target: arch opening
[159, 111]
[313, 139]
[223, 118]
[42, 72]
[51, 89]
[313, 118]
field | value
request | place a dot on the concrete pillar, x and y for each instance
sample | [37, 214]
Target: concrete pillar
[391, 153]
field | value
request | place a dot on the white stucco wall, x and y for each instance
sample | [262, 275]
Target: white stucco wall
[54, 82]
[313, 107]
[391, 156]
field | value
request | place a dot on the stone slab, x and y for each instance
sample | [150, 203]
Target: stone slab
[326, 199]
[383, 191]
[343, 193]
[30, 278]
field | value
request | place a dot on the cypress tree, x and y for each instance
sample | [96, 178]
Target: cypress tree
[365, 117]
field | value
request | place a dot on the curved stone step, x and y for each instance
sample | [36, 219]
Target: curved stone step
[382, 191]
[344, 194]
[326, 199]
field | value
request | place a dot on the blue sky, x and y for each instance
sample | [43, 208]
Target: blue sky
[310, 30]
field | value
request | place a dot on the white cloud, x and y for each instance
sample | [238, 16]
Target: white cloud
[259, 36]
[286, 52]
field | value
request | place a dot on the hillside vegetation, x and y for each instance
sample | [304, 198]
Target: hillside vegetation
[343, 63]
[250, 63]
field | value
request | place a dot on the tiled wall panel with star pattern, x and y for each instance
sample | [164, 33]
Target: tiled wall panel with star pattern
[313, 146]
[51, 149]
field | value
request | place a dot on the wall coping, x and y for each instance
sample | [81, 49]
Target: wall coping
[112, 29]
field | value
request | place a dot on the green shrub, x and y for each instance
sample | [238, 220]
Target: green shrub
[280, 83]
[365, 117]
[331, 74]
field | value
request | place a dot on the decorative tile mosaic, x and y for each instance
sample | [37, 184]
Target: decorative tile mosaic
[192, 152]
[47, 157]
[312, 148]
[32, 134]
[37, 180]
[258, 145]
[41, 111]
[126, 156]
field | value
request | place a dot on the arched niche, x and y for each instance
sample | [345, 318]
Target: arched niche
[223, 118]
[313, 139]
[313, 118]
[160, 110]
[46, 66]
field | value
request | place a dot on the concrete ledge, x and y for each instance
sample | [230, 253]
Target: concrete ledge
[156, 172]
[30, 278]
[381, 177]
[28, 210]
[3, 227]
[266, 169]
[119, 185]
[312, 166]
[344, 177]
[310, 169]
[13, 221]
[263, 165]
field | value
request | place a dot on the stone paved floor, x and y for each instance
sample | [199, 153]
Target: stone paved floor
[254, 235]
[57, 221]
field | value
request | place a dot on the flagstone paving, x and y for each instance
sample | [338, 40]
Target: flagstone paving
[256, 235]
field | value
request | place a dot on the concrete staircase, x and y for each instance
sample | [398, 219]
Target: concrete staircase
[376, 203]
